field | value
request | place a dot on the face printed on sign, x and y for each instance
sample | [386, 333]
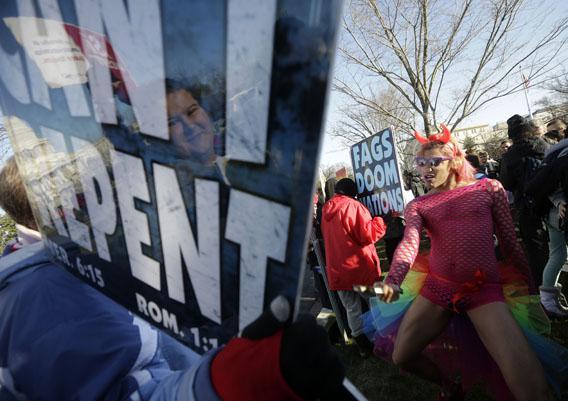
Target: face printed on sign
[191, 129]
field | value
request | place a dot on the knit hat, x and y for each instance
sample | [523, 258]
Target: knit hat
[514, 125]
[346, 186]
[519, 127]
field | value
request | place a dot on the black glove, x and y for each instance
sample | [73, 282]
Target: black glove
[274, 359]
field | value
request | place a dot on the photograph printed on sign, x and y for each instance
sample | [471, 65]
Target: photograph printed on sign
[170, 156]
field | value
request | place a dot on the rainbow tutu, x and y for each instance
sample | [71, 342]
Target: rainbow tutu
[458, 351]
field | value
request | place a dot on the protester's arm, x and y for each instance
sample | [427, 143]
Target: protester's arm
[505, 231]
[365, 229]
[408, 248]
[292, 361]
[271, 359]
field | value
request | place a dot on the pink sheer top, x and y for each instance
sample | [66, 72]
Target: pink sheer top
[461, 223]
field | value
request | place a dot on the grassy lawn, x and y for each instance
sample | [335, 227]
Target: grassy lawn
[379, 380]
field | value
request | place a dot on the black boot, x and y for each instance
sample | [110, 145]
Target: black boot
[364, 345]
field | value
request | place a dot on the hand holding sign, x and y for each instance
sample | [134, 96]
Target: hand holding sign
[386, 293]
[307, 366]
[378, 288]
[390, 293]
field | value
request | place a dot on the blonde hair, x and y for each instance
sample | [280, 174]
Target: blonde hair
[462, 169]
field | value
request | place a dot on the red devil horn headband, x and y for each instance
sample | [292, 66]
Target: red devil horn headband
[443, 136]
[420, 138]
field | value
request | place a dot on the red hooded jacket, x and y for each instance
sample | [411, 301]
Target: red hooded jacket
[350, 233]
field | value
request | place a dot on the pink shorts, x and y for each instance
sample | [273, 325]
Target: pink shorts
[460, 298]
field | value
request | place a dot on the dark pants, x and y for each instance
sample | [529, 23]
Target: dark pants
[321, 290]
[390, 247]
[535, 241]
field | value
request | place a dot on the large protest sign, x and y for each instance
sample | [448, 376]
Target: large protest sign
[169, 148]
[377, 173]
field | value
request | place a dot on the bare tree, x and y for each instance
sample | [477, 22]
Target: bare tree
[389, 109]
[492, 144]
[559, 86]
[469, 144]
[446, 59]
[556, 105]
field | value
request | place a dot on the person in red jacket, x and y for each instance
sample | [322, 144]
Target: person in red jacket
[349, 234]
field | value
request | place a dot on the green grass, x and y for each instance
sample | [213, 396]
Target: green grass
[379, 380]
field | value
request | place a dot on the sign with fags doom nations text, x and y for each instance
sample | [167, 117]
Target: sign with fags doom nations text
[377, 173]
[169, 147]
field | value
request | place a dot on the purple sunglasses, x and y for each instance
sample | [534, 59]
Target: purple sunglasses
[430, 161]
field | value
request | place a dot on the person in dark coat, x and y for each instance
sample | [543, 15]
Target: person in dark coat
[412, 182]
[488, 166]
[395, 231]
[330, 188]
[473, 159]
[517, 166]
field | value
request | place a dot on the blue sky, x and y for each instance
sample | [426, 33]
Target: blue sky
[499, 110]
[496, 111]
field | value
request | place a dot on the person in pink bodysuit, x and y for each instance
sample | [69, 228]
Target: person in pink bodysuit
[461, 215]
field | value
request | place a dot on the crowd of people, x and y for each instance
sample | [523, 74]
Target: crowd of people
[435, 316]
[539, 201]
[438, 311]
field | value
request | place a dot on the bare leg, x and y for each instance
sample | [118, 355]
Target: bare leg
[415, 334]
[508, 346]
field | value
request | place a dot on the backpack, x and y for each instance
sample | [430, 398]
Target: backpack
[532, 198]
[543, 181]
